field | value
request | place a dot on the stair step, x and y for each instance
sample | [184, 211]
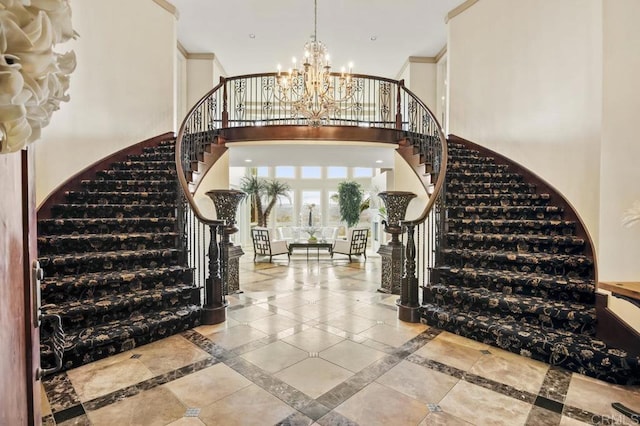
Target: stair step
[94, 343]
[148, 165]
[547, 286]
[121, 197]
[153, 156]
[73, 226]
[575, 352]
[506, 212]
[160, 148]
[553, 264]
[522, 243]
[61, 244]
[100, 284]
[91, 312]
[74, 264]
[500, 226]
[135, 174]
[499, 199]
[482, 177]
[547, 314]
[112, 210]
[461, 167]
[490, 187]
[130, 185]
[458, 157]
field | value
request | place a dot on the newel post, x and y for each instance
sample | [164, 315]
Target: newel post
[214, 310]
[399, 106]
[408, 306]
[225, 112]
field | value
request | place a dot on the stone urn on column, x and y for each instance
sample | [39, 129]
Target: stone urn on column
[396, 203]
[226, 202]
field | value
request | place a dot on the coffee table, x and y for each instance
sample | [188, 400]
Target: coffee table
[307, 245]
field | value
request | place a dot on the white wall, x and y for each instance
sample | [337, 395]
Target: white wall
[525, 79]
[181, 87]
[122, 90]
[423, 82]
[405, 179]
[620, 173]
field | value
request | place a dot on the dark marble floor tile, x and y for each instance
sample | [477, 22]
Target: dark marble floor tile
[435, 365]
[584, 415]
[500, 388]
[314, 410]
[48, 420]
[82, 420]
[336, 419]
[539, 416]
[555, 384]
[295, 419]
[68, 413]
[60, 392]
[549, 404]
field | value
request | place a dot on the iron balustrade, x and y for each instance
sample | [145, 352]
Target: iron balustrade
[253, 100]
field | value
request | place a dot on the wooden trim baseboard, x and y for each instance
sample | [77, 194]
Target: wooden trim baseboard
[613, 330]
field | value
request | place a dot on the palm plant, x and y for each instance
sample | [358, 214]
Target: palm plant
[256, 188]
[275, 189]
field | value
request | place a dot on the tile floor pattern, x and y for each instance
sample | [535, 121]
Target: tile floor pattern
[314, 343]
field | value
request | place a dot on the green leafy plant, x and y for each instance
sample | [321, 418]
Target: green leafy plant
[350, 199]
[260, 191]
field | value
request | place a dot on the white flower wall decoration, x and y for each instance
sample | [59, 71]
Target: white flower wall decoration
[34, 78]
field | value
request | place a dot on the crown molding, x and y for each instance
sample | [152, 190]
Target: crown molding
[458, 10]
[168, 7]
[422, 59]
[441, 53]
[203, 56]
[182, 50]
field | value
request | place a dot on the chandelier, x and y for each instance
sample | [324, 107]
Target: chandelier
[312, 90]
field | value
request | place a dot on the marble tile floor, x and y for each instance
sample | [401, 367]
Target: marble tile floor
[314, 343]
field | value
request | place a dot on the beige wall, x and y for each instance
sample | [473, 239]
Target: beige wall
[620, 173]
[122, 90]
[420, 77]
[525, 79]
[199, 78]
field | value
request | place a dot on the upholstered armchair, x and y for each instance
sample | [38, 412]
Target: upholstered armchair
[264, 245]
[355, 244]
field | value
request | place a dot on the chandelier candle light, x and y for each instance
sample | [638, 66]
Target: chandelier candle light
[313, 92]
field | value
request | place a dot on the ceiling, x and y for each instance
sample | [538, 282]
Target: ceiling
[316, 153]
[378, 36]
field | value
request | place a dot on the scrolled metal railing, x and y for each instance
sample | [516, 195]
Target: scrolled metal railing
[253, 101]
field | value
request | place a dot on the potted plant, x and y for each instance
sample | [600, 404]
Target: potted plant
[258, 189]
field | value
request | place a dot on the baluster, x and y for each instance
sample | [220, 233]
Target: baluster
[225, 112]
[399, 106]
[408, 306]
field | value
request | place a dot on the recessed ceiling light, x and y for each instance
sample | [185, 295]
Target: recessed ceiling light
[374, 37]
[379, 161]
[252, 35]
[248, 160]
